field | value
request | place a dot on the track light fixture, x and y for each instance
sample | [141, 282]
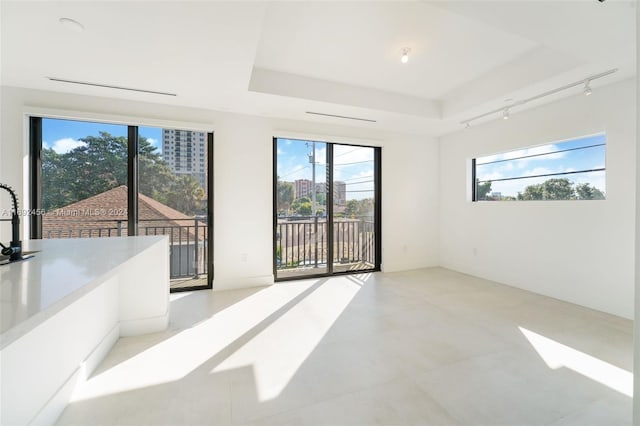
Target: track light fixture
[405, 55]
[506, 110]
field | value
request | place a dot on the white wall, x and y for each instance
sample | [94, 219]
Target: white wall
[581, 252]
[243, 177]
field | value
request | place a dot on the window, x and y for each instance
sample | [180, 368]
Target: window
[568, 170]
[98, 180]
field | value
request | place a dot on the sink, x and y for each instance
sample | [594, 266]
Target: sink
[4, 260]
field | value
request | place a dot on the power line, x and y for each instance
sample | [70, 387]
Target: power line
[538, 155]
[355, 162]
[345, 153]
[295, 171]
[544, 175]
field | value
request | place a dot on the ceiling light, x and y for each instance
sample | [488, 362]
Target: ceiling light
[587, 90]
[71, 24]
[505, 114]
[405, 55]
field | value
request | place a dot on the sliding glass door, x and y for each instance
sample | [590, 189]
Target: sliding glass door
[326, 208]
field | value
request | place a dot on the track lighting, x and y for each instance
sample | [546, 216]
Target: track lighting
[405, 55]
[506, 110]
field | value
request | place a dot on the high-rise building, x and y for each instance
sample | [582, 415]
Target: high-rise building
[185, 152]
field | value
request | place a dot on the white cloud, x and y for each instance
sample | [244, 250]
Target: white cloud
[542, 153]
[64, 145]
[154, 142]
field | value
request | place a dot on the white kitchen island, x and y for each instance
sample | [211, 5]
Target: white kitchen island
[62, 310]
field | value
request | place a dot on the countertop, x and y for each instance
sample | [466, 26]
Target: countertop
[62, 270]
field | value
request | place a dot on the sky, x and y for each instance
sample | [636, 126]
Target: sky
[353, 165]
[545, 159]
[64, 135]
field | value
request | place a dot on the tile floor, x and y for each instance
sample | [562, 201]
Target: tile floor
[425, 347]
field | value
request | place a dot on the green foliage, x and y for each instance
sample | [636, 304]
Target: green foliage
[285, 195]
[561, 189]
[87, 170]
[532, 192]
[101, 164]
[584, 191]
[482, 190]
[302, 206]
[351, 208]
[359, 208]
[558, 189]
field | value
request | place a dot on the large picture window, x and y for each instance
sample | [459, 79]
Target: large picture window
[100, 180]
[568, 170]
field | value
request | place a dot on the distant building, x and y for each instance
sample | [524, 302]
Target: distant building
[185, 152]
[339, 193]
[497, 195]
[303, 189]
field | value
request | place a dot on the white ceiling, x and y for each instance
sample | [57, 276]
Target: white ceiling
[281, 59]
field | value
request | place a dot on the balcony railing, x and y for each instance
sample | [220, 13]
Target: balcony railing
[302, 242]
[188, 238]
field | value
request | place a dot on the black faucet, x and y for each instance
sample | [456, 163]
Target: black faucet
[14, 251]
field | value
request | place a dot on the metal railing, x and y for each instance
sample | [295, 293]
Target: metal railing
[188, 243]
[302, 241]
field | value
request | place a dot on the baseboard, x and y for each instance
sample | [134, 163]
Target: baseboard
[144, 325]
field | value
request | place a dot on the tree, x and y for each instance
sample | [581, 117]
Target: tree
[558, 189]
[532, 192]
[482, 189]
[100, 164]
[584, 191]
[351, 209]
[302, 206]
[185, 195]
[285, 195]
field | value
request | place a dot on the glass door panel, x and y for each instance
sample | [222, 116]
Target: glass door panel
[84, 178]
[354, 208]
[300, 234]
[172, 199]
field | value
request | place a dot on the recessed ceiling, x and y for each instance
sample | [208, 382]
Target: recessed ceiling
[282, 59]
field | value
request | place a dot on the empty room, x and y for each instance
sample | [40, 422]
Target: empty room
[319, 212]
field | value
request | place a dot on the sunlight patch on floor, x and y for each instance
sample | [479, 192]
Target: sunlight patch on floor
[175, 357]
[557, 355]
[292, 337]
